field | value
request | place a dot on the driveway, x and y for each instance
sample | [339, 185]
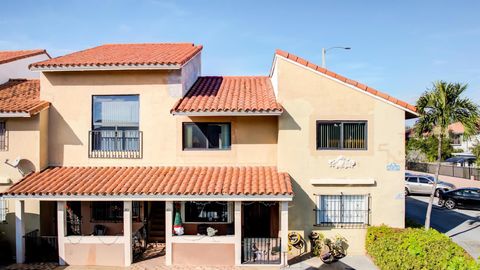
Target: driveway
[463, 226]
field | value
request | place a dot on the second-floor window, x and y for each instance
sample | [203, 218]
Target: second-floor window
[208, 136]
[115, 124]
[341, 135]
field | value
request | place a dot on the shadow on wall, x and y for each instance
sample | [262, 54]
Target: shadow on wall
[64, 136]
[301, 207]
[7, 234]
[287, 122]
[144, 77]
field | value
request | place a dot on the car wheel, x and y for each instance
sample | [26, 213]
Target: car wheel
[407, 192]
[450, 204]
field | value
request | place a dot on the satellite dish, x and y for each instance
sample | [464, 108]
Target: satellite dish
[14, 163]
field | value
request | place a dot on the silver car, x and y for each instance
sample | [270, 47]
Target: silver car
[422, 184]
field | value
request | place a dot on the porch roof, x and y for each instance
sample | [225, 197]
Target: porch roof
[169, 183]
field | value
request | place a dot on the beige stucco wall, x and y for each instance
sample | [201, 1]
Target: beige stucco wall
[203, 254]
[70, 117]
[94, 254]
[26, 140]
[307, 97]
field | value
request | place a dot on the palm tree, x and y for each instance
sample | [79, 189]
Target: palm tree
[439, 107]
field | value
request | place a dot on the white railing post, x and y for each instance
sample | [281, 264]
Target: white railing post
[284, 232]
[168, 232]
[127, 232]
[238, 233]
[62, 230]
[20, 231]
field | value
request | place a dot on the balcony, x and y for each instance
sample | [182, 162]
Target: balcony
[115, 144]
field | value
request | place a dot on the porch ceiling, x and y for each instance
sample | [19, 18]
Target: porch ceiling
[169, 183]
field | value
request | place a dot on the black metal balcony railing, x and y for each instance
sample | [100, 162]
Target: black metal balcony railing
[115, 144]
[261, 250]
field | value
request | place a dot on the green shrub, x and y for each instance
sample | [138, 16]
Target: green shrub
[414, 248]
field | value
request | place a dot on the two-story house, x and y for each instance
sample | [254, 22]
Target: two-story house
[23, 119]
[220, 168]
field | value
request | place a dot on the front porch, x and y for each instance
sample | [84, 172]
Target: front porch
[246, 224]
[118, 233]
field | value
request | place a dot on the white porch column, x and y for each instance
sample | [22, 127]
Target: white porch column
[20, 230]
[61, 230]
[168, 232]
[284, 231]
[238, 233]
[127, 232]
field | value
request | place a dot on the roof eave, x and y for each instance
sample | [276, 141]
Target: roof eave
[105, 68]
[226, 113]
[279, 197]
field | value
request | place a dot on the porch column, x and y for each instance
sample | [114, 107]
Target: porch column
[284, 231]
[127, 232]
[168, 232]
[238, 233]
[20, 230]
[62, 230]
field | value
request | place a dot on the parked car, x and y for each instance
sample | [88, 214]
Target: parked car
[463, 197]
[422, 184]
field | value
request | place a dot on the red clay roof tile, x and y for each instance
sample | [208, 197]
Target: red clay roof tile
[21, 96]
[9, 56]
[126, 55]
[229, 94]
[101, 181]
[346, 80]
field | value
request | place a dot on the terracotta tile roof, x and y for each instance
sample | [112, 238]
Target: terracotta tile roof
[97, 181]
[9, 56]
[230, 94]
[126, 55]
[456, 128]
[21, 96]
[346, 80]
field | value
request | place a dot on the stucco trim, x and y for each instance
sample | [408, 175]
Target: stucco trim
[14, 114]
[152, 197]
[343, 181]
[343, 83]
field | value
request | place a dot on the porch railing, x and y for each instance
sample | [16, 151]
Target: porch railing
[115, 144]
[39, 248]
[261, 250]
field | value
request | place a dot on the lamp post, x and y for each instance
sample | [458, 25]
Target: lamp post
[324, 52]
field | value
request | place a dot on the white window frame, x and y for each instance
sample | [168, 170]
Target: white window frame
[229, 215]
[339, 220]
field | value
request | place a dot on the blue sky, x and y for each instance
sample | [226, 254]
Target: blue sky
[399, 47]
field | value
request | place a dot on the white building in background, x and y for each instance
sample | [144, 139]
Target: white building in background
[460, 141]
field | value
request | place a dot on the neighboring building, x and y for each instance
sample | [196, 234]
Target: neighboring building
[14, 64]
[460, 141]
[23, 131]
[137, 138]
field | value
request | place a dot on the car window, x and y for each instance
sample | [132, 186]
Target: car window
[459, 192]
[412, 179]
[471, 193]
[424, 180]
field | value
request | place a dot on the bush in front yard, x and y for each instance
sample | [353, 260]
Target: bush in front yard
[414, 248]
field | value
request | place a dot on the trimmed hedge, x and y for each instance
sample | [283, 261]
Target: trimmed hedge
[415, 248]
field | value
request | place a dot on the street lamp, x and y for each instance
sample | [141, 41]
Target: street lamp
[324, 52]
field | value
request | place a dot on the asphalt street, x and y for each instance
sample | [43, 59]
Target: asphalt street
[463, 226]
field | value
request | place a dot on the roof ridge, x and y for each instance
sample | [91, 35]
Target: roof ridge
[341, 78]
